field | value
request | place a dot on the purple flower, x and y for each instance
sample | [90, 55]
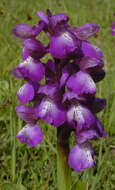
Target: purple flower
[25, 31]
[91, 50]
[27, 113]
[51, 112]
[34, 48]
[30, 134]
[61, 89]
[25, 93]
[63, 44]
[29, 69]
[86, 31]
[113, 28]
[81, 157]
[81, 83]
[80, 117]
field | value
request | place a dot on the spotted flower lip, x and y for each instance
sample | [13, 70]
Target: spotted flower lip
[26, 93]
[30, 134]
[81, 157]
[81, 83]
[87, 30]
[81, 117]
[65, 42]
[51, 112]
[29, 69]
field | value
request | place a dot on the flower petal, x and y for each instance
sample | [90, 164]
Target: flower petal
[97, 105]
[97, 75]
[91, 50]
[25, 54]
[30, 134]
[90, 63]
[100, 128]
[80, 116]
[71, 95]
[24, 31]
[48, 89]
[81, 83]
[25, 93]
[86, 135]
[86, 31]
[27, 113]
[34, 48]
[80, 157]
[51, 112]
[57, 19]
[30, 69]
[43, 17]
[62, 45]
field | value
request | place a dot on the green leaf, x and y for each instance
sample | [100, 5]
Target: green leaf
[81, 185]
[9, 186]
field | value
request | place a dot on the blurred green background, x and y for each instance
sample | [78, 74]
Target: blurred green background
[35, 168]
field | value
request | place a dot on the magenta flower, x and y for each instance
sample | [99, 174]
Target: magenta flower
[67, 99]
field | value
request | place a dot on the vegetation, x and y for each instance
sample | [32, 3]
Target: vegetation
[35, 168]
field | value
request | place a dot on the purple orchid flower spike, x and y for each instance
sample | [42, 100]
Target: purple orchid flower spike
[62, 89]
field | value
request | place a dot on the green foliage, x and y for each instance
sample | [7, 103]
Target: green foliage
[35, 168]
[8, 186]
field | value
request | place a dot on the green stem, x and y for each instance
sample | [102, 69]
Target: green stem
[63, 170]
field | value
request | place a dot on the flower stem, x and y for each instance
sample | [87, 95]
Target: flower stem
[63, 170]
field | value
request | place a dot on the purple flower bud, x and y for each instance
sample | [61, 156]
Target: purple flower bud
[86, 31]
[24, 31]
[57, 21]
[43, 17]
